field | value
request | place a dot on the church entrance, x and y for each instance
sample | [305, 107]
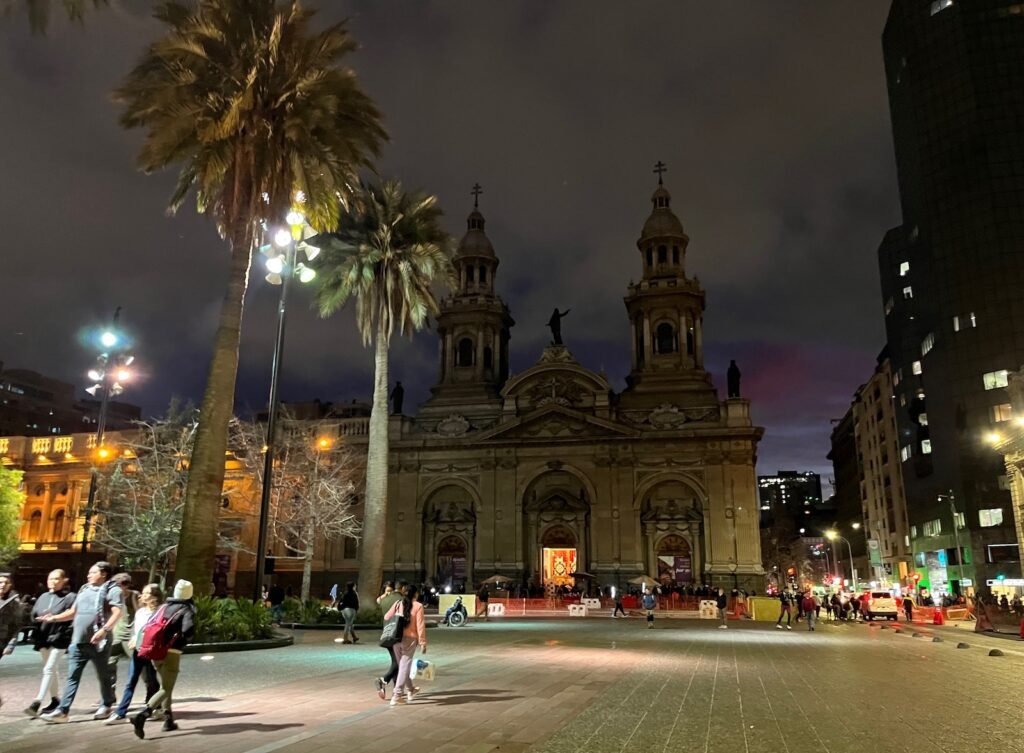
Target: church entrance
[675, 560]
[558, 547]
[451, 561]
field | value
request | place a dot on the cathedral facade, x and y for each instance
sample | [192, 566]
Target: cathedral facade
[549, 471]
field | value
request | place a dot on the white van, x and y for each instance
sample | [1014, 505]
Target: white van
[881, 604]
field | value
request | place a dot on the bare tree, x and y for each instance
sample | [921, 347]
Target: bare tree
[141, 493]
[314, 486]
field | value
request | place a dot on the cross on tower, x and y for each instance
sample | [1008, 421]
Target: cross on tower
[477, 190]
[660, 168]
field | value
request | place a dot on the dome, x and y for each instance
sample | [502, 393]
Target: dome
[475, 242]
[662, 222]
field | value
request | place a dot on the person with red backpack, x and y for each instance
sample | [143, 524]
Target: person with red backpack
[149, 600]
[165, 635]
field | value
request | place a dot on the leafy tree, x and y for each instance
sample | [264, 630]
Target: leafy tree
[39, 12]
[314, 488]
[12, 500]
[142, 492]
[256, 110]
[387, 253]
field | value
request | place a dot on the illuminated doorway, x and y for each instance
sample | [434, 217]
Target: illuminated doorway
[451, 561]
[675, 560]
[558, 551]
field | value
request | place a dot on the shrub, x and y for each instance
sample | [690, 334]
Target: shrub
[291, 610]
[225, 620]
[370, 616]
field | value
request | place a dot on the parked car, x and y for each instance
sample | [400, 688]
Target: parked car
[881, 604]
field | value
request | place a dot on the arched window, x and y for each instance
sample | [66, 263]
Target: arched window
[665, 338]
[465, 354]
[483, 273]
[662, 254]
[35, 524]
[58, 526]
[675, 254]
[488, 358]
[689, 341]
[650, 258]
[469, 273]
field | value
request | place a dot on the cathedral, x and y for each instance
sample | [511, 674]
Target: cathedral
[539, 474]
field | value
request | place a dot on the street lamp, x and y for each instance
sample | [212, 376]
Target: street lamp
[832, 536]
[108, 375]
[956, 534]
[281, 264]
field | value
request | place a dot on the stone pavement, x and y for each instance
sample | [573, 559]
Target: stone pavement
[560, 686]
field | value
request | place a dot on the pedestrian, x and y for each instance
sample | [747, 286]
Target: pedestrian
[649, 604]
[741, 604]
[349, 609]
[386, 600]
[785, 610]
[482, 598]
[150, 600]
[809, 605]
[123, 631]
[414, 634]
[722, 601]
[10, 616]
[334, 596]
[855, 607]
[96, 610]
[908, 606]
[176, 622]
[51, 640]
[828, 607]
[276, 598]
[618, 605]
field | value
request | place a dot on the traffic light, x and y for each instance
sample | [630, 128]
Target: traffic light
[1000, 577]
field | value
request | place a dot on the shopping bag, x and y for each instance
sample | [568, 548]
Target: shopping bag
[422, 669]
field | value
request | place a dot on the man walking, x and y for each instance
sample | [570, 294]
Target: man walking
[722, 602]
[51, 640]
[810, 608]
[96, 610]
[10, 616]
[908, 606]
[386, 601]
[785, 610]
[618, 605]
[121, 636]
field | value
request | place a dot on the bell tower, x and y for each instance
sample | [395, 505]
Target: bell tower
[666, 315]
[473, 325]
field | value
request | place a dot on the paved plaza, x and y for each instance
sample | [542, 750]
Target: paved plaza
[590, 685]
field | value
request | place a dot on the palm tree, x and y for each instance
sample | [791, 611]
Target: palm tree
[387, 253]
[257, 112]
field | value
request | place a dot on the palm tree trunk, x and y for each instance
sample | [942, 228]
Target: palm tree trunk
[375, 502]
[197, 545]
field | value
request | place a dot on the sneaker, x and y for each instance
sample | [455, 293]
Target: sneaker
[778, 626]
[723, 627]
[381, 687]
[51, 706]
[55, 717]
[398, 699]
[789, 627]
[411, 694]
[157, 715]
[102, 712]
[33, 708]
[116, 719]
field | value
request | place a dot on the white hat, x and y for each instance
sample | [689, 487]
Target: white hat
[183, 590]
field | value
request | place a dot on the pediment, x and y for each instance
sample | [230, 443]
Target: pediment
[556, 422]
[557, 379]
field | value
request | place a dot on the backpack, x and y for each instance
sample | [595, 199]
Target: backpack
[155, 642]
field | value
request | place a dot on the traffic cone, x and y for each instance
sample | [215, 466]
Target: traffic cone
[939, 619]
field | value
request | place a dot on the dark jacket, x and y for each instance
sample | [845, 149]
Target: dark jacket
[350, 600]
[722, 601]
[181, 614]
[52, 634]
[11, 622]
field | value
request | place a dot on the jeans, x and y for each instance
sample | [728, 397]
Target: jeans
[392, 673]
[138, 668]
[721, 614]
[404, 653]
[168, 670]
[618, 608]
[276, 612]
[810, 615]
[350, 619]
[80, 654]
[50, 686]
[788, 613]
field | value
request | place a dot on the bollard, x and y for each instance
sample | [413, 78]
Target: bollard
[995, 652]
[936, 639]
[963, 645]
[916, 635]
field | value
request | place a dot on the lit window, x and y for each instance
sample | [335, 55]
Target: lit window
[903, 401]
[897, 377]
[905, 453]
[1002, 412]
[941, 5]
[995, 379]
[989, 518]
[916, 367]
[923, 419]
[974, 322]
[956, 323]
[928, 343]
[889, 305]
[926, 447]
[908, 292]
[904, 268]
[932, 527]
[959, 520]
[914, 232]
[913, 532]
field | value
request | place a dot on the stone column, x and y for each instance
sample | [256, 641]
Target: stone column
[698, 342]
[636, 354]
[648, 349]
[44, 529]
[449, 357]
[478, 367]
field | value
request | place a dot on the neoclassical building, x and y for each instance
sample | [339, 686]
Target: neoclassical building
[539, 473]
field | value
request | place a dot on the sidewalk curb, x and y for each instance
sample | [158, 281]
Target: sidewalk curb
[279, 641]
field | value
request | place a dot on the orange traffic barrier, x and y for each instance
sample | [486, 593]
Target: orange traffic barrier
[1022, 629]
[938, 619]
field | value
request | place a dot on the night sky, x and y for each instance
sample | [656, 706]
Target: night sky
[772, 119]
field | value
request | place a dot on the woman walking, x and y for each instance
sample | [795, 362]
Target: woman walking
[415, 634]
[149, 602]
[51, 640]
[349, 608]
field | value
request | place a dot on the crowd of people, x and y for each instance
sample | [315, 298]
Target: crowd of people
[106, 623]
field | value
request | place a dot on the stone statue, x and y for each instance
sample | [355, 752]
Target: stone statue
[555, 322]
[732, 377]
[397, 396]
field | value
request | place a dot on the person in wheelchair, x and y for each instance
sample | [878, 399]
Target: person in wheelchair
[453, 609]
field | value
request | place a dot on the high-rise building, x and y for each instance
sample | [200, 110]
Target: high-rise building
[793, 499]
[951, 275]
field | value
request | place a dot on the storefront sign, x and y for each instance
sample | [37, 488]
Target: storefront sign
[874, 553]
[1014, 582]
